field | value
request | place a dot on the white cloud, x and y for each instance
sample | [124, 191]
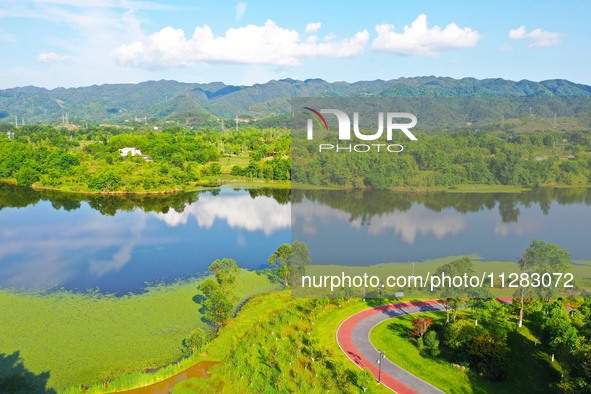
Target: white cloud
[240, 212]
[313, 27]
[523, 227]
[307, 215]
[51, 254]
[506, 48]
[240, 10]
[86, 30]
[52, 57]
[517, 34]
[123, 255]
[251, 44]
[419, 39]
[537, 38]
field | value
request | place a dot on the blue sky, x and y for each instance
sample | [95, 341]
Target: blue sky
[69, 43]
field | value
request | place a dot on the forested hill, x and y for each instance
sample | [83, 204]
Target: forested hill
[190, 102]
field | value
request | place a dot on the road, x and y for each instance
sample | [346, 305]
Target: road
[353, 338]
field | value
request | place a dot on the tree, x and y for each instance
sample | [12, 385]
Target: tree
[219, 291]
[420, 326]
[292, 261]
[452, 295]
[458, 334]
[431, 342]
[299, 259]
[489, 356]
[541, 258]
[281, 258]
[195, 341]
[225, 271]
[26, 176]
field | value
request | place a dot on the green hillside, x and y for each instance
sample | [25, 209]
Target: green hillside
[115, 103]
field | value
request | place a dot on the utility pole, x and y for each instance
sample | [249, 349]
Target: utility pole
[236, 122]
[16, 121]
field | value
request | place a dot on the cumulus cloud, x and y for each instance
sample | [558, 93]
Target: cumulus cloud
[313, 27]
[537, 38]
[251, 44]
[52, 57]
[240, 10]
[419, 39]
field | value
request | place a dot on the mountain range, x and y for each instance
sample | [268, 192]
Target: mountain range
[178, 101]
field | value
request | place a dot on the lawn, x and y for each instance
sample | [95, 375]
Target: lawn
[529, 368]
[84, 339]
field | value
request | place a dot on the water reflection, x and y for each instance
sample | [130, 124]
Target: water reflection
[119, 244]
[405, 224]
[368, 227]
[238, 211]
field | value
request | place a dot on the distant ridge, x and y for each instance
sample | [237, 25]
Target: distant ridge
[171, 99]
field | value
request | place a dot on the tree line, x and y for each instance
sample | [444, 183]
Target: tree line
[452, 159]
[174, 158]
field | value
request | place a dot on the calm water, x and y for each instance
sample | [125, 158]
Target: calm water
[362, 228]
[116, 244]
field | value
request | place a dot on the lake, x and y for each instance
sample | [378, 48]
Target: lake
[369, 227]
[116, 244]
[120, 244]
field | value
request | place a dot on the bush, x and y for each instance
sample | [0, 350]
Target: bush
[489, 356]
[431, 340]
[237, 170]
[459, 333]
[432, 343]
[105, 181]
[26, 176]
[195, 341]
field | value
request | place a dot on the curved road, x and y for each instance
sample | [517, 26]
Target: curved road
[353, 339]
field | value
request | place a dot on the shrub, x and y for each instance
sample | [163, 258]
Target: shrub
[26, 176]
[195, 341]
[432, 343]
[420, 326]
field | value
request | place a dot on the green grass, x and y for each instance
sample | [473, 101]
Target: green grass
[278, 343]
[84, 339]
[581, 270]
[529, 368]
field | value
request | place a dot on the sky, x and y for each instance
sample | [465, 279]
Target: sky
[72, 43]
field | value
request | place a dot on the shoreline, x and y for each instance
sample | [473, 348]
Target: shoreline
[240, 183]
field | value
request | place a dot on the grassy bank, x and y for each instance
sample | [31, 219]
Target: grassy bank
[278, 343]
[247, 182]
[529, 369]
[84, 339]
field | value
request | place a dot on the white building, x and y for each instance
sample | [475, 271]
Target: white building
[134, 151]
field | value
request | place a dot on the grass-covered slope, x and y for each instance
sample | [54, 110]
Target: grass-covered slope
[85, 339]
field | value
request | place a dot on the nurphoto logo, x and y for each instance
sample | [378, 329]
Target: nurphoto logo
[344, 122]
